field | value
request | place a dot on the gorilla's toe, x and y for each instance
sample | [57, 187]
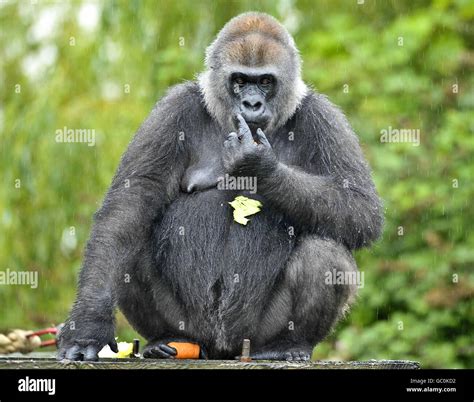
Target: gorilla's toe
[159, 351]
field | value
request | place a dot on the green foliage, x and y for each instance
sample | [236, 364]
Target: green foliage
[405, 64]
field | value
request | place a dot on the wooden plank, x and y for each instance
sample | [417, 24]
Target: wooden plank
[29, 362]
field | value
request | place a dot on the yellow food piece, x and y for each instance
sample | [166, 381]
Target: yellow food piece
[125, 349]
[244, 207]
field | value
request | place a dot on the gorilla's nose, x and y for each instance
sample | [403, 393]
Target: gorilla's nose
[252, 109]
[252, 105]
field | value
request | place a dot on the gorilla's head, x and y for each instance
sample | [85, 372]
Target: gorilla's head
[253, 68]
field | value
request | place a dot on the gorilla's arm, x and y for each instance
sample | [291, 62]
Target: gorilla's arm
[145, 182]
[334, 195]
[349, 213]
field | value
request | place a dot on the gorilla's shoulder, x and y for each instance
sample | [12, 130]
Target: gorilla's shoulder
[316, 110]
[318, 103]
[176, 111]
[184, 97]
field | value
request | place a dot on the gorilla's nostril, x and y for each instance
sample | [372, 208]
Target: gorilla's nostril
[254, 106]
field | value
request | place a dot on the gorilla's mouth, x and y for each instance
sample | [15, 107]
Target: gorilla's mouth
[259, 120]
[261, 124]
[255, 122]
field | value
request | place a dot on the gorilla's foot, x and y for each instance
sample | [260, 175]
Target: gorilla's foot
[174, 349]
[295, 353]
[159, 350]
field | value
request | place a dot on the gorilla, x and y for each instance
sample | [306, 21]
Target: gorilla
[165, 247]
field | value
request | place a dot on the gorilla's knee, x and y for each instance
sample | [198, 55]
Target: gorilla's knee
[323, 279]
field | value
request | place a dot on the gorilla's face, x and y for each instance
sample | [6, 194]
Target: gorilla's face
[252, 70]
[252, 92]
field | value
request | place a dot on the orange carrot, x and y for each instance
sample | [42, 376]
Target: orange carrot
[185, 350]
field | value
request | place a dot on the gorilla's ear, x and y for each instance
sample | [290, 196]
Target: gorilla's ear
[253, 40]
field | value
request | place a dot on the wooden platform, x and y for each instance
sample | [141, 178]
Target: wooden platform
[47, 361]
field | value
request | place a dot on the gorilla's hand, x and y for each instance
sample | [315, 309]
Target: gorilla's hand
[85, 339]
[244, 156]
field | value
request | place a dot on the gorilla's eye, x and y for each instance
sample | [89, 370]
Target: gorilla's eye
[266, 81]
[239, 81]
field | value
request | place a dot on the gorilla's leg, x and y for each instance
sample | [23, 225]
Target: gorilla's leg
[156, 315]
[153, 310]
[315, 302]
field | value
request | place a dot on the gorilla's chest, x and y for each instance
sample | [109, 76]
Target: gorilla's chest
[205, 165]
[205, 168]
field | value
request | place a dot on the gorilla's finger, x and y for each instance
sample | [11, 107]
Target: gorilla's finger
[231, 144]
[232, 136]
[262, 138]
[157, 353]
[147, 353]
[113, 346]
[91, 353]
[169, 349]
[74, 353]
[232, 140]
[244, 130]
[61, 354]
[305, 356]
